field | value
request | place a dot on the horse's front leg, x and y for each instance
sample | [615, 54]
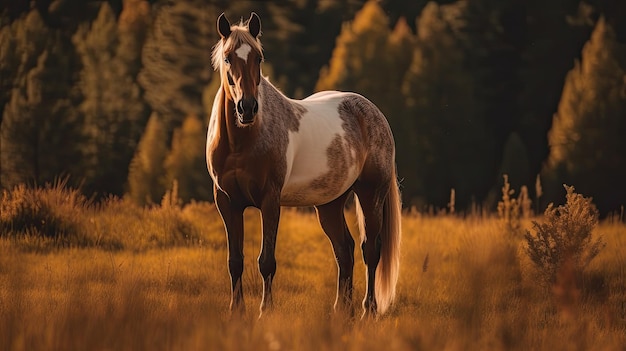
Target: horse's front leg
[232, 216]
[270, 214]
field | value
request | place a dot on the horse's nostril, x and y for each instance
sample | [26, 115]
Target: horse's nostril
[240, 107]
[255, 107]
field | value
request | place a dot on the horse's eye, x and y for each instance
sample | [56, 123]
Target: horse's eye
[226, 60]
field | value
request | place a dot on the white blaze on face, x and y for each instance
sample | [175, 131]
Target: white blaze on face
[243, 51]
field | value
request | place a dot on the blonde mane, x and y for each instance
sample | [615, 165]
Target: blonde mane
[239, 35]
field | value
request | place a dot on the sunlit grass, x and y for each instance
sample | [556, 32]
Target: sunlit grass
[156, 279]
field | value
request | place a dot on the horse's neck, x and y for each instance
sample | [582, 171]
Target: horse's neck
[269, 91]
[273, 102]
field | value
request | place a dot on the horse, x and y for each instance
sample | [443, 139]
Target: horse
[265, 150]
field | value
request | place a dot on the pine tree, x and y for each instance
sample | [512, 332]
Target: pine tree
[492, 36]
[40, 131]
[400, 45]
[451, 146]
[177, 59]
[21, 43]
[186, 163]
[113, 111]
[587, 137]
[553, 39]
[146, 172]
[358, 61]
[133, 26]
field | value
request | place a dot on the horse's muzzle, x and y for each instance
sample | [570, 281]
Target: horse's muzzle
[246, 110]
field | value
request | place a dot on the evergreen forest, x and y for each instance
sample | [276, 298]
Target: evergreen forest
[113, 97]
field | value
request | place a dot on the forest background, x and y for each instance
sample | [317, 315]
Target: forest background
[114, 96]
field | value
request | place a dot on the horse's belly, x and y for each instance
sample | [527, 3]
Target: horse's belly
[308, 187]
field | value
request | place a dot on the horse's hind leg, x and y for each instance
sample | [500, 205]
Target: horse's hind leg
[371, 200]
[332, 220]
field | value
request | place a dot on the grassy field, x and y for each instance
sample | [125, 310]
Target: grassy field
[119, 277]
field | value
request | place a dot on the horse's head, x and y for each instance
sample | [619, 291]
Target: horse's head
[239, 55]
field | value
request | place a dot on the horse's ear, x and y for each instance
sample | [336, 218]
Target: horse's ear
[254, 25]
[223, 26]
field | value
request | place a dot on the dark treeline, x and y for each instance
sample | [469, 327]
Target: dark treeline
[115, 95]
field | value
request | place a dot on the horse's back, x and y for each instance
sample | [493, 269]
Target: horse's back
[326, 94]
[358, 112]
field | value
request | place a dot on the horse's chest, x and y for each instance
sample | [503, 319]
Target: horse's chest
[242, 176]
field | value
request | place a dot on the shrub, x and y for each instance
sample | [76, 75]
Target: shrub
[52, 211]
[175, 229]
[122, 224]
[565, 237]
[512, 210]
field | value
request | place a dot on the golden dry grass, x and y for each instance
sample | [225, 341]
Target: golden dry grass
[145, 288]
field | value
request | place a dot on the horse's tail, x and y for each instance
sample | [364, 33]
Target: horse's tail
[391, 234]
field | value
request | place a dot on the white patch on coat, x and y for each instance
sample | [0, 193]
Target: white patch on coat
[307, 152]
[243, 51]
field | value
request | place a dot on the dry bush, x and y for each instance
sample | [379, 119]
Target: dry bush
[565, 236]
[49, 211]
[49, 214]
[56, 216]
[512, 210]
[122, 224]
